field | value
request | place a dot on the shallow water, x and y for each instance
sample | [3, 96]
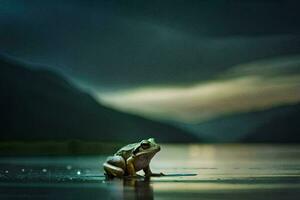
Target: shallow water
[193, 172]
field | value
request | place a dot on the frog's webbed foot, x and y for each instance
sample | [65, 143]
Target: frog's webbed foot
[157, 174]
[149, 173]
[135, 176]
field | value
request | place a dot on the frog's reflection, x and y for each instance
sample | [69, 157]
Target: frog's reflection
[137, 189]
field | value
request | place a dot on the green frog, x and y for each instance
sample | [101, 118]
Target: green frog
[132, 158]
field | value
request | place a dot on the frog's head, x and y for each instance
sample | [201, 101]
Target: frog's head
[149, 147]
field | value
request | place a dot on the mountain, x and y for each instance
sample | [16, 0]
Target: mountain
[281, 128]
[42, 105]
[277, 124]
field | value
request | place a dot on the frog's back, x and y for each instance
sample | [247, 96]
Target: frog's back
[126, 151]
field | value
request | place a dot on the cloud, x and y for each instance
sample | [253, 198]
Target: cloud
[267, 67]
[251, 88]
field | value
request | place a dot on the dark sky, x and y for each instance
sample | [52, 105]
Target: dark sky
[112, 46]
[117, 43]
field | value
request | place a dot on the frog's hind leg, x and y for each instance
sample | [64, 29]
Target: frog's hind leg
[113, 171]
[114, 166]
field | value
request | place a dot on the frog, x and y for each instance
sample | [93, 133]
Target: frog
[130, 159]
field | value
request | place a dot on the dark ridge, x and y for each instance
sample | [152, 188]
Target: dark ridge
[42, 105]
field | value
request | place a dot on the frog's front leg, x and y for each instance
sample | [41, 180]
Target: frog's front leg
[130, 166]
[149, 173]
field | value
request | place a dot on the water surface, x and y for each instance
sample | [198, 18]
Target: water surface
[194, 172]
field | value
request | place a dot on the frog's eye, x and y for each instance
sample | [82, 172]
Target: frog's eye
[145, 145]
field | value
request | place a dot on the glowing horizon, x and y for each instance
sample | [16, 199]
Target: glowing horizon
[249, 87]
[203, 101]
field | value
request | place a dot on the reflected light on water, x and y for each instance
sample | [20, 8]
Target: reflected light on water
[203, 153]
[216, 186]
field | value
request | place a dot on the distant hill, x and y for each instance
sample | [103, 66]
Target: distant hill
[281, 128]
[278, 124]
[42, 105]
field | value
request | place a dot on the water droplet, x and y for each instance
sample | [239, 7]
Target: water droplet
[78, 172]
[6, 171]
[69, 167]
[23, 170]
[44, 170]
